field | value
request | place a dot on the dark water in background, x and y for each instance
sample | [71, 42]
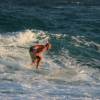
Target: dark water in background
[73, 17]
[76, 21]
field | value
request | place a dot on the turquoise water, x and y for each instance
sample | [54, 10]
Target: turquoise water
[71, 69]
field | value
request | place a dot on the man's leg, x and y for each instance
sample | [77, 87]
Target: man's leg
[38, 61]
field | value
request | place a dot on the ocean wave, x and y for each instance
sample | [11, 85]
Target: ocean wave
[18, 41]
[59, 75]
[15, 48]
[82, 40]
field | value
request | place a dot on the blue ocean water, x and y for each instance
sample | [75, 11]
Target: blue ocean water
[72, 66]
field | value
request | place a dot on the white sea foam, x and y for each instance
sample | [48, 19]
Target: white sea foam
[81, 40]
[65, 80]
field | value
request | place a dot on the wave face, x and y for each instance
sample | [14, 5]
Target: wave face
[70, 70]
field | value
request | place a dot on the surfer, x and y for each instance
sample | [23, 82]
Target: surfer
[36, 53]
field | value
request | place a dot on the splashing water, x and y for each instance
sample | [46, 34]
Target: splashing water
[60, 77]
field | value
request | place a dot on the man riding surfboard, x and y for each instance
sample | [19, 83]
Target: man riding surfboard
[36, 53]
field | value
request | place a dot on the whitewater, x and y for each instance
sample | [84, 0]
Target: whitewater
[59, 78]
